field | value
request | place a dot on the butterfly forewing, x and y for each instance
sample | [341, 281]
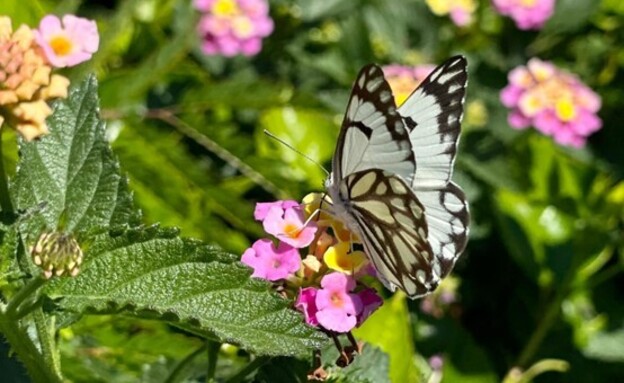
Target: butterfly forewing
[432, 115]
[391, 222]
[372, 134]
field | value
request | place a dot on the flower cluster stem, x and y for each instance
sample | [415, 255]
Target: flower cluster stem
[26, 351]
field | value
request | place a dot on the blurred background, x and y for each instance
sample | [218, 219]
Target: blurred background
[186, 100]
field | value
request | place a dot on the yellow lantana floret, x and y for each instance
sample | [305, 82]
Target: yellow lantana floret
[339, 258]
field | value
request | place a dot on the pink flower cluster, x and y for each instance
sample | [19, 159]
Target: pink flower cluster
[555, 102]
[325, 283]
[231, 27]
[528, 14]
[460, 11]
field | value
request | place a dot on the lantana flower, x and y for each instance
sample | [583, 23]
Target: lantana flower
[26, 82]
[231, 27]
[337, 306]
[460, 11]
[318, 267]
[270, 262]
[340, 258]
[404, 79]
[555, 102]
[68, 42]
[527, 14]
[289, 226]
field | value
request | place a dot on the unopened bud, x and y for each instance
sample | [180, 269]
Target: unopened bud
[57, 254]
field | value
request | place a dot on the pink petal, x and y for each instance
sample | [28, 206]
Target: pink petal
[370, 302]
[510, 95]
[338, 281]
[518, 120]
[306, 303]
[336, 320]
[50, 24]
[262, 209]
[273, 221]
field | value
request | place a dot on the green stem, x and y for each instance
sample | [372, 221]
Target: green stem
[213, 356]
[45, 333]
[248, 369]
[5, 199]
[541, 331]
[22, 295]
[549, 318]
[181, 370]
[26, 351]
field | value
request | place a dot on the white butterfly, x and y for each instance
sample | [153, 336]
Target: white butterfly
[390, 181]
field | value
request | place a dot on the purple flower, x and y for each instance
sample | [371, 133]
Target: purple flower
[338, 308]
[289, 226]
[231, 27]
[68, 43]
[306, 303]
[556, 103]
[528, 14]
[370, 303]
[269, 262]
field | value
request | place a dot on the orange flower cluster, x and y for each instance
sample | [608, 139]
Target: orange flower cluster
[26, 82]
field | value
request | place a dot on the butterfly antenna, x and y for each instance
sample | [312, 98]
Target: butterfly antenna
[276, 138]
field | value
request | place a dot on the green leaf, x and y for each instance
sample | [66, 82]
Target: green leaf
[570, 15]
[153, 273]
[72, 170]
[607, 346]
[371, 366]
[309, 131]
[388, 328]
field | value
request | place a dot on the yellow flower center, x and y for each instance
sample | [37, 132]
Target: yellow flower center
[565, 109]
[61, 45]
[336, 300]
[242, 26]
[224, 8]
[528, 3]
[291, 230]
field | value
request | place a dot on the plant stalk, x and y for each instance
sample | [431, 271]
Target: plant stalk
[26, 351]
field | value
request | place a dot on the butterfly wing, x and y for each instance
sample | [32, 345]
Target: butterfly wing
[391, 223]
[432, 116]
[372, 135]
[446, 212]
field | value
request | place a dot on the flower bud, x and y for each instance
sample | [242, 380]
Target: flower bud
[57, 254]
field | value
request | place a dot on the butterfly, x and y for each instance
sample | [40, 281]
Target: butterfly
[391, 176]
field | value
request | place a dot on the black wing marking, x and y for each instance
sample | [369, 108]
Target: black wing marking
[372, 135]
[432, 114]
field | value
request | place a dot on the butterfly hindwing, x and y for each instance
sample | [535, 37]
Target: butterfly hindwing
[372, 134]
[447, 219]
[393, 228]
[432, 115]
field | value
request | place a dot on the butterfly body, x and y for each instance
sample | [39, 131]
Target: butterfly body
[390, 181]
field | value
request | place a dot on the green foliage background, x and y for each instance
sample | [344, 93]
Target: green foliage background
[542, 275]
